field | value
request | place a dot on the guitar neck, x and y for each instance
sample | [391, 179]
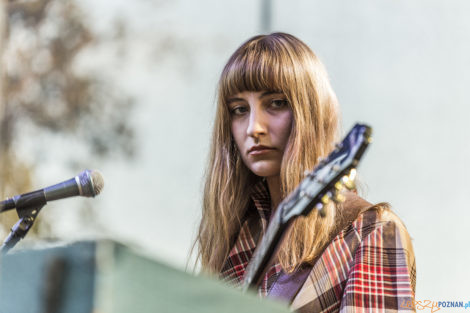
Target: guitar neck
[264, 252]
[322, 184]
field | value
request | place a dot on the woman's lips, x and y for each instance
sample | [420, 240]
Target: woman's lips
[260, 150]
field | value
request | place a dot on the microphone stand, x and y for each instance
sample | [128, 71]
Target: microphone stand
[21, 228]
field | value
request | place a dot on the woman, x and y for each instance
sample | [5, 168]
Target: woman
[276, 116]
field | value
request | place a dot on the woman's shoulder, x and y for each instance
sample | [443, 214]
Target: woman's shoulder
[378, 215]
[380, 221]
[365, 217]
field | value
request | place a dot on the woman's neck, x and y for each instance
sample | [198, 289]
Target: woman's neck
[274, 186]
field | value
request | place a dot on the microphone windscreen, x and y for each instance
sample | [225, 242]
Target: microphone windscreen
[97, 181]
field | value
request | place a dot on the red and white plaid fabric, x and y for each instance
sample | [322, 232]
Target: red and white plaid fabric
[368, 267]
[256, 222]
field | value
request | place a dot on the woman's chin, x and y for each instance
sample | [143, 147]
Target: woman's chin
[265, 170]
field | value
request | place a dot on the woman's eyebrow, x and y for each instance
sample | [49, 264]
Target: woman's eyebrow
[231, 100]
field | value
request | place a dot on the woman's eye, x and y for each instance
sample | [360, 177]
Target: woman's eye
[280, 103]
[238, 110]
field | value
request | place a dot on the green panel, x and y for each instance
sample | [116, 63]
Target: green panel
[48, 280]
[107, 277]
[141, 285]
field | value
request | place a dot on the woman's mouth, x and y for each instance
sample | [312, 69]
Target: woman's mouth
[258, 150]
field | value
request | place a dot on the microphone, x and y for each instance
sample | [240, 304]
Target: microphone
[87, 184]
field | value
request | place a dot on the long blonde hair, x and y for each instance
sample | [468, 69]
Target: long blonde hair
[276, 62]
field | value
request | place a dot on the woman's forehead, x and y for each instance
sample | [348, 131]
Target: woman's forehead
[253, 75]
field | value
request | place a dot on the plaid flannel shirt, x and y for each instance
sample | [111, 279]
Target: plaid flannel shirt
[368, 267]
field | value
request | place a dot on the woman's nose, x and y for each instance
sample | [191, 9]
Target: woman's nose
[257, 124]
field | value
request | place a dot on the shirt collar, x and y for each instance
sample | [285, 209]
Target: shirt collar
[262, 200]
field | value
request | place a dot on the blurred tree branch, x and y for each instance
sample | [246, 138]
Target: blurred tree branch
[42, 89]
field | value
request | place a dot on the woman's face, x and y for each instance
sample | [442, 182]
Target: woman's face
[261, 123]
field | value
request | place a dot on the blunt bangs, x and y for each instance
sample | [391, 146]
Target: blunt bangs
[260, 65]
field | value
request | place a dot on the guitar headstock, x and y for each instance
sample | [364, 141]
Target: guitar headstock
[326, 181]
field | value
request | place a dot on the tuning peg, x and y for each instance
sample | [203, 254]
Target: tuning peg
[339, 198]
[319, 207]
[325, 199]
[352, 174]
[339, 185]
[348, 183]
[349, 180]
